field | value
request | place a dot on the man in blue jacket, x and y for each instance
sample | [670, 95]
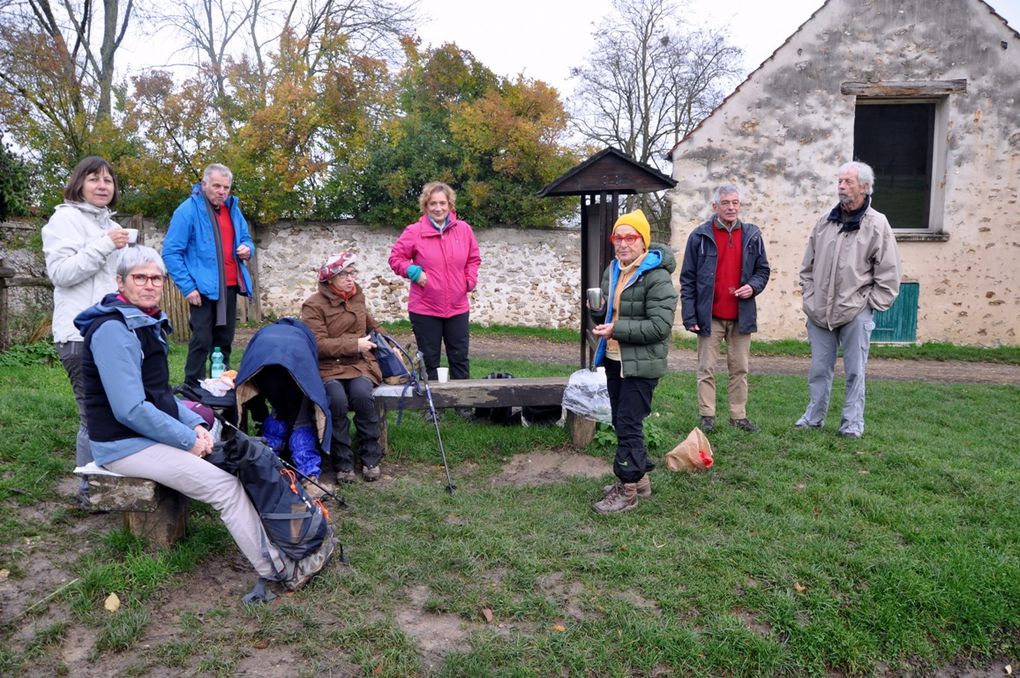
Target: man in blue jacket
[206, 250]
[724, 269]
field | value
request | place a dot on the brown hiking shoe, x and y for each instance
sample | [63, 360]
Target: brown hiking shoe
[371, 473]
[312, 489]
[308, 567]
[644, 487]
[348, 476]
[622, 497]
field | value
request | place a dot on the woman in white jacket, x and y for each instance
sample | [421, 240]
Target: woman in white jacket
[79, 243]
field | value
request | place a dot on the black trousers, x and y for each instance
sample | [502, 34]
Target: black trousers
[631, 401]
[431, 332]
[206, 334]
[344, 396]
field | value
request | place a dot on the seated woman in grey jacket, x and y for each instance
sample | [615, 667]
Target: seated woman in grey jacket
[138, 428]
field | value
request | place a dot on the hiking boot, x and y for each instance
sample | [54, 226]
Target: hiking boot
[431, 415]
[708, 424]
[850, 434]
[348, 476]
[308, 567]
[744, 425]
[371, 473]
[622, 497]
[804, 426]
[644, 487]
[311, 488]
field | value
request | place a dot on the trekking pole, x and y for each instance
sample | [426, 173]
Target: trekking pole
[339, 500]
[423, 382]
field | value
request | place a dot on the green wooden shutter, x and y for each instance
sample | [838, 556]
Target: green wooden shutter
[899, 323]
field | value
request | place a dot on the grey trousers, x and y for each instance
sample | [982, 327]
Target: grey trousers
[194, 477]
[70, 358]
[855, 339]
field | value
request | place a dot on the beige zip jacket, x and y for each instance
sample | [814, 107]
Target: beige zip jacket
[842, 273]
[80, 262]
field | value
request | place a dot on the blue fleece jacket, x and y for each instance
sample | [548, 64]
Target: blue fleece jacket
[118, 357]
[189, 249]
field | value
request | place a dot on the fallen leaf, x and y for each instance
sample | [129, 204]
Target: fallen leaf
[112, 603]
[377, 671]
[798, 587]
[487, 615]
[559, 628]
[261, 644]
[4, 574]
[1009, 669]
[864, 471]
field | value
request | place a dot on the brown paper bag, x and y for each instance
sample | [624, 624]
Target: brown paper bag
[693, 454]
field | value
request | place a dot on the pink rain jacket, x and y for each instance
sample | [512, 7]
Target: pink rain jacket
[450, 260]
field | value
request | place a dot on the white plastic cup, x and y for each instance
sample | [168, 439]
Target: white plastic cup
[443, 374]
[132, 235]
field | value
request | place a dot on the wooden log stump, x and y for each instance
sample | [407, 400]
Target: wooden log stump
[151, 511]
[582, 430]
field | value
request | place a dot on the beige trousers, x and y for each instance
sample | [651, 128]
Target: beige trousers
[738, 351]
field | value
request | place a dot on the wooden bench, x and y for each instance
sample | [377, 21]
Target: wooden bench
[526, 391]
[151, 511]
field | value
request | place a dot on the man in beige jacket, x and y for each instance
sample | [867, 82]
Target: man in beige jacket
[850, 270]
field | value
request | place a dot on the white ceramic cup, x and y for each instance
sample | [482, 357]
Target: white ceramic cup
[443, 374]
[132, 235]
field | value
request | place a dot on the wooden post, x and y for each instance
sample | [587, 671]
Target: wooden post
[582, 430]
[166, 524]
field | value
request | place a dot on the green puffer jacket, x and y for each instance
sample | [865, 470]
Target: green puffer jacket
[644, 325]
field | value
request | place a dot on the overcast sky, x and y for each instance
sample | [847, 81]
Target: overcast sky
[544, 39]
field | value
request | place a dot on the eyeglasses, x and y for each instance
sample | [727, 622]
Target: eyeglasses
[346, 274]
[629, 239]
[140, 279]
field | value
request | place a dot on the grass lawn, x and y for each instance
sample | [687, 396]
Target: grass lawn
[799, 553]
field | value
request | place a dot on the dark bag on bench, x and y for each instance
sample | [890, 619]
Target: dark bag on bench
[504, 416]
[295, 523]
[392, 358]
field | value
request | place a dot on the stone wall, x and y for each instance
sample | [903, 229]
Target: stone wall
[528, 277]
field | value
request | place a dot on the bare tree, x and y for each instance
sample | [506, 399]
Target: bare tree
[648, 82]
[70, 29]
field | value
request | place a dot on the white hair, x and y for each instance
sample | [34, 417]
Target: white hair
[138, 255]
[726, 189]
[217, 168]
[865, 175]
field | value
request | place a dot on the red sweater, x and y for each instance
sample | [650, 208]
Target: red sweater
[727, 270]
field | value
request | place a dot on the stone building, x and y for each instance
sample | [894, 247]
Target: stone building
[925, 91]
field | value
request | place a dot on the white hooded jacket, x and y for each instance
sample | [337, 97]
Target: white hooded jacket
[79, 262]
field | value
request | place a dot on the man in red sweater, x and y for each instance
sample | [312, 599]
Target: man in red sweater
[724, 269]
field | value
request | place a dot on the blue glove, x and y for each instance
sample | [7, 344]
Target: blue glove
[414, 272]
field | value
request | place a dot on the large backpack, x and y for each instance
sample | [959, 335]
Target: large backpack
[295, 523]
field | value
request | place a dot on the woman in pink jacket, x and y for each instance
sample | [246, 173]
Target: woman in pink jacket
[439, 255]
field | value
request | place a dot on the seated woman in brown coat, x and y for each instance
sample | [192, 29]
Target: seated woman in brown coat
[340, 321]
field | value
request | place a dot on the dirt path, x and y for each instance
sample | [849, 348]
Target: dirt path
[949, 372]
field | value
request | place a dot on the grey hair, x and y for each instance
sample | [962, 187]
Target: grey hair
[865, 175]
[217, 168]
[725, 189]
[138, 255]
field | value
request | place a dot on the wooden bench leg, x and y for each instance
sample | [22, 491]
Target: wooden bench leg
[164, 526]
[380, 410]
[582, 430]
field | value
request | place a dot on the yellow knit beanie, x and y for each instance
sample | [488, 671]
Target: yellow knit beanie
[638, 222]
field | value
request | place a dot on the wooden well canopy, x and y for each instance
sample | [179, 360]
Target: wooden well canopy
[600, 181]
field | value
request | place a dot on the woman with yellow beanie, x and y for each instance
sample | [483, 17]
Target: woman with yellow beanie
[634, 330]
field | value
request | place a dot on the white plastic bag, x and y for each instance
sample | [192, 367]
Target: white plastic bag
[586, 394]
